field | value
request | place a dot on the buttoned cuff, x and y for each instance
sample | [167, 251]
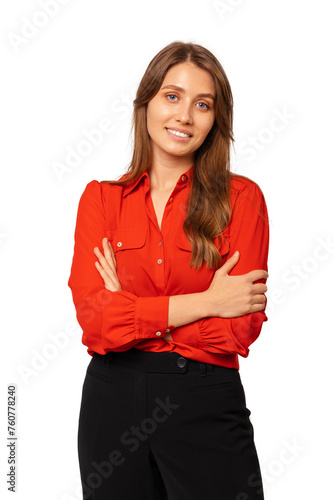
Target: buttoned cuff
[151, 317]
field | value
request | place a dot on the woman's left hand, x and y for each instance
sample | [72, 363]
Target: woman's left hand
[107, 266]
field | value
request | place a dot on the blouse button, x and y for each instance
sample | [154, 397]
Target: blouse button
[170, 200]
[167, 330]
[158, 333]
[183, 177]
[159, 261]
[119, 244]
[160, 243]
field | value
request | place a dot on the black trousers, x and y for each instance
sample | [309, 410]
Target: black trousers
[158, 426]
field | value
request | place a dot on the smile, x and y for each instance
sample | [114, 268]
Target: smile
[179, 134]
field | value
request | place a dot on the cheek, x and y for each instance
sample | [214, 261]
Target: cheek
[157, 112]
[208, 126]
[205, 129]
[153, 119]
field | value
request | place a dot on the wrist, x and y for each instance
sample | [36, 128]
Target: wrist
[206, 304]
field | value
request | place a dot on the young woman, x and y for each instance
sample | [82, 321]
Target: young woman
[168, 280]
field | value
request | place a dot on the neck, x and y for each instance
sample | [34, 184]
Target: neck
[164, 175]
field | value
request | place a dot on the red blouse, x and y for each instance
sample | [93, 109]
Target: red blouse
[153, 264]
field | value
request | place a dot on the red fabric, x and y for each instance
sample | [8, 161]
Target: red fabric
[152, 265]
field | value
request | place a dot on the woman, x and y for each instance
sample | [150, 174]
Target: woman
[168, 280]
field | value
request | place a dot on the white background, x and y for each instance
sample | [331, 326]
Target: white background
[82, 66]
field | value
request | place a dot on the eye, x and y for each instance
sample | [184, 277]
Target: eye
[171, 95]
[206, 105]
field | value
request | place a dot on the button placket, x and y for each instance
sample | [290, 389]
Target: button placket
[160, 252]
[156, 241]
[159, 260]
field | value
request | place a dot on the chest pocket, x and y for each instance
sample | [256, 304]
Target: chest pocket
[127, 239]
[184, 244]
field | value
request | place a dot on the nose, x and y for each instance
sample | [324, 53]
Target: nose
[184, 113]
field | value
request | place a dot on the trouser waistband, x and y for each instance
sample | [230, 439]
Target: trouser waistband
[156, 362]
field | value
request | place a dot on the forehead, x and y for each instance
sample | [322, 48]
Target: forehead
[188, 76]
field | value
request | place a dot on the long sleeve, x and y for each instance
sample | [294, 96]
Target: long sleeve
[109, 320]
[249, 234]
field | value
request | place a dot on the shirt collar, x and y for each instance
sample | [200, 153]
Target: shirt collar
[184, 179]
[131, 185]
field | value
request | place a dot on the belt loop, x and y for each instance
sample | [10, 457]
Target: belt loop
[206, 369]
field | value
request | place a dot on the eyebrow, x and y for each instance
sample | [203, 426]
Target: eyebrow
[175, 87]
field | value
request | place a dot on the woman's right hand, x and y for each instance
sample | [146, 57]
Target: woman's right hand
[107, 266]
[232, 296]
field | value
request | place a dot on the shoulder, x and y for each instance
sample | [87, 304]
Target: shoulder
[243, 188]
[241, 183]
[102, 190]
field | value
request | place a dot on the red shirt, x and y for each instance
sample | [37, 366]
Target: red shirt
[153, 264]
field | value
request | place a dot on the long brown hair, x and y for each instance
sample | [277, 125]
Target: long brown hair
[208, 206]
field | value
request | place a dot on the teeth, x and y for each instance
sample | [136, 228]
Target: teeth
[175, 132]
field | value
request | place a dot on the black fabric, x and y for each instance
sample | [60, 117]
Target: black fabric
[158, 426]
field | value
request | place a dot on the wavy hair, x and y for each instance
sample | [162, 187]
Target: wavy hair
[208, 205]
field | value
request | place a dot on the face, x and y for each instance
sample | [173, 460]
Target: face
[184, 104]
